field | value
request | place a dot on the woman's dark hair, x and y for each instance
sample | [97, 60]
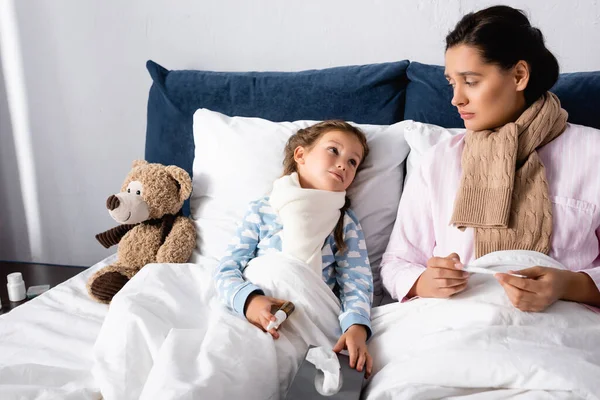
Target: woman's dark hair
[504, 36]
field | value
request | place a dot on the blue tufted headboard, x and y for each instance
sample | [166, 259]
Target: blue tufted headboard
[373, 94]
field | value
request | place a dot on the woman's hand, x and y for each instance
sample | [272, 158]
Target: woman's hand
[259, 310]
[355, 340]
[443, 278]
[543, 286]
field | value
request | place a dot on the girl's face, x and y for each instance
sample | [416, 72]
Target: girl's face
[331, 163]
[485, 95]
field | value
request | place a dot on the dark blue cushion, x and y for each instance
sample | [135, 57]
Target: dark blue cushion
[368, 94]
[579, 94]
[428, 97]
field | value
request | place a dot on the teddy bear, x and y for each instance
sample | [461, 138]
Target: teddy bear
[153, 228]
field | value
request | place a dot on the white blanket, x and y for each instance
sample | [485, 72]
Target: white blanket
[477, 345]
[166, 336]
[308, 217]
[46, 344]
[474, 346]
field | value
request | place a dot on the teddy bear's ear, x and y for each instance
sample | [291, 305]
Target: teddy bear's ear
[184, 180]
[139, 163]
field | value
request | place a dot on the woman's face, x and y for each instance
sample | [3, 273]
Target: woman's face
[485, 95]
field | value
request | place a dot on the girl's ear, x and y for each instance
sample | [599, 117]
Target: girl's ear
[521, 71]
[299, 154]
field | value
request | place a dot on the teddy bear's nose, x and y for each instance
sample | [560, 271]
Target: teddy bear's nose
[112, 202]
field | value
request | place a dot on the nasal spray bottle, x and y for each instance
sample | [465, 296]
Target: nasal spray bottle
[281, 315]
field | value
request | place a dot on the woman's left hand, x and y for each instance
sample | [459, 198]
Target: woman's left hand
[355, 340]
[543, 286]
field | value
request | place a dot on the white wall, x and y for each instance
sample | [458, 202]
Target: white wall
[86, 84]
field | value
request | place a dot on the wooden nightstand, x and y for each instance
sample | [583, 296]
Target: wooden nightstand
[33, 275]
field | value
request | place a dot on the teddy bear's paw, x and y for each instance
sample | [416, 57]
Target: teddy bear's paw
[105, 286]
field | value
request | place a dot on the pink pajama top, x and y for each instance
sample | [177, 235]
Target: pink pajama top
[422, 228]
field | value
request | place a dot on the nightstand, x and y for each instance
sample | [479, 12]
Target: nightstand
[33, 275]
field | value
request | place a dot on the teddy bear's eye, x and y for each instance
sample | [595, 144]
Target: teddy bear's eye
[138, 192]
[128, 190]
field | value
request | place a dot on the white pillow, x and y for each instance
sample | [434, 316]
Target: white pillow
[421, 137]
[238, 158]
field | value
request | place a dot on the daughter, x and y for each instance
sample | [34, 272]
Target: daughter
[326, 157]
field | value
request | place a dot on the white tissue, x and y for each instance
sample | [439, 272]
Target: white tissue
[326, 360]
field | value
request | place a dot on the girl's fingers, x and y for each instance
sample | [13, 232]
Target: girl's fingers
[274, 333]
[369, 365]
[339, 346]
[352, 350]
[263, 323]
[259, 325]
[277, 302]
[267, 316]
[362, 358]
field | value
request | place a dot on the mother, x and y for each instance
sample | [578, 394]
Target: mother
[521, 177]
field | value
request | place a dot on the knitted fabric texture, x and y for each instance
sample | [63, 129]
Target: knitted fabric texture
[503, 192]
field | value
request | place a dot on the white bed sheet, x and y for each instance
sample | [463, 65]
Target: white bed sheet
[46, 349]
[46, 344]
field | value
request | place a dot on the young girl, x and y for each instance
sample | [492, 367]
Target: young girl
[326, 156]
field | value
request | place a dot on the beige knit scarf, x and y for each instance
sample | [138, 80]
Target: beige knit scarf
[503, 191]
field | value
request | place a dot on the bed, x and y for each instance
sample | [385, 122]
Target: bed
[55, 346]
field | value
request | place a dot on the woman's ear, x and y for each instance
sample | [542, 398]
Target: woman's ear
[521, 71]
[299, 154]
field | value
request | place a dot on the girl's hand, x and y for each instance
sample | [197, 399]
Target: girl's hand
[355, 340]
[259, 310]
[443, 278]
[544, 286]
